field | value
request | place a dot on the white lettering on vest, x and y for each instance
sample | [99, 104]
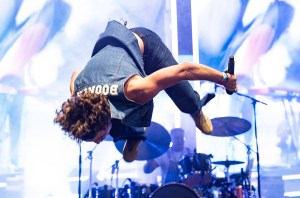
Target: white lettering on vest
[98, 89]
[92, 89]
[114, 90]
[105, 89]
[101, 89]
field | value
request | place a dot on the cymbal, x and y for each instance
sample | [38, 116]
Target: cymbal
[228, 163]
[229, 126]
[157, 143]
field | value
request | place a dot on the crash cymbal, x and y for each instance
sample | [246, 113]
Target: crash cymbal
[227, 163]
[157, 143]
[229, 126]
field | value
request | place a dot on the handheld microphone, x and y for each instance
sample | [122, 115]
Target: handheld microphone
[230, 71]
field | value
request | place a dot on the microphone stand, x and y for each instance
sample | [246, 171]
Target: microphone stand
[79, 172]
[249, 149]
[117, 178]
[90, 157]
[254, 101]
[115, 169]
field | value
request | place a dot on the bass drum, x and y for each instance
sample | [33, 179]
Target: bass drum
[174, 190]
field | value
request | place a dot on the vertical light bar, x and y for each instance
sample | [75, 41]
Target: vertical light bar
[174, 29]
[177, 120]
[196, 59]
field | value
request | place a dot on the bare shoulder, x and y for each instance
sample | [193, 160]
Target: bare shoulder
[73, 77]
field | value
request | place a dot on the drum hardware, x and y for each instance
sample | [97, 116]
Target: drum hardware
[136, 190]
[254, 101]
[226, 187]
[157, 143]
[247, 176]
[227, 163]
[195, 170]
[94, 190]
[105, 191]
[241, 187]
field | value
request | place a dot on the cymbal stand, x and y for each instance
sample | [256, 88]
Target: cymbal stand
[226, 187]
[227, 171]
[90, 157]
[254, 101]
[249, 149]
[79, 171]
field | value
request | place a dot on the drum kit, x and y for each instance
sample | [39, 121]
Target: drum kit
[196, 170]
[196, 173]
[196, 177]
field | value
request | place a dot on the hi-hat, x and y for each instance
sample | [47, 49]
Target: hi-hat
[229, 126]
[228, 163]
[157, 143]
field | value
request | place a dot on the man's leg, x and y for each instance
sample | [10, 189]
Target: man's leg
[157, 56]
[133, 136]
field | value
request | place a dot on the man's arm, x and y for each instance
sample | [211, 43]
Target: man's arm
[73, 77]
[141, 90]
[150, 166]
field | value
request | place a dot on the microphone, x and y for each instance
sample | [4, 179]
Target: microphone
[230, 71]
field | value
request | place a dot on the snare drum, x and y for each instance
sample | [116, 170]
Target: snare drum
[174, 190]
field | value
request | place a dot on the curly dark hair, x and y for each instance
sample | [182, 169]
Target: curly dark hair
[80, 117]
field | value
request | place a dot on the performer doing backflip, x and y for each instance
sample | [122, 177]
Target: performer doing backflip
[114, 92]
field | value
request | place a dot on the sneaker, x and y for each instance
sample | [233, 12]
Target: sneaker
[203, 123]
[130, 150]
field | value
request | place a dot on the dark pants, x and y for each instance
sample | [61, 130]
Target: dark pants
[157, 56]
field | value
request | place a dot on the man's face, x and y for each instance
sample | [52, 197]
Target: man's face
[178, 140]
[100, 135]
